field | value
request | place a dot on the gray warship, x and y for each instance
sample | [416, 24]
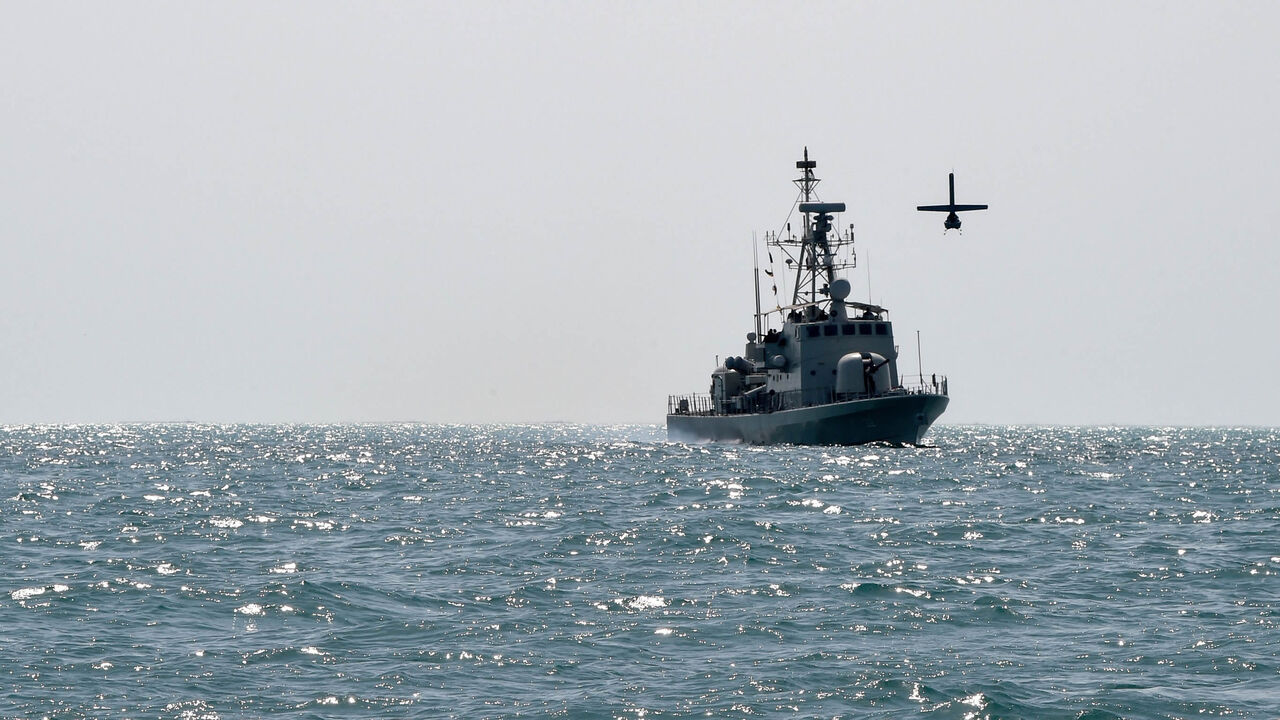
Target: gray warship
[828, 374]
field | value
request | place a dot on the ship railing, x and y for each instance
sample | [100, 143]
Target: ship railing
[741, 405]
[690, 405]
[794, 399]
[925, 384]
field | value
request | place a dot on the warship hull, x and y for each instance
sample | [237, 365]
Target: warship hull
[900, 419]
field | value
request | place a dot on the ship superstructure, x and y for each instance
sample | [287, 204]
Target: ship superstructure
[827, 373]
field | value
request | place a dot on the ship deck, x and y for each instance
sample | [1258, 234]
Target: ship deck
[703, 404]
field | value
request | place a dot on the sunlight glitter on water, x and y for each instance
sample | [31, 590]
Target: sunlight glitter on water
[544, 570]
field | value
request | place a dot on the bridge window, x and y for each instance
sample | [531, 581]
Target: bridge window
[849, 329]
[882, 329]
[828, 330]
[812, 330]
[864, 328]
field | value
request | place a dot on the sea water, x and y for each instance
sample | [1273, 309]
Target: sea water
[189, 571]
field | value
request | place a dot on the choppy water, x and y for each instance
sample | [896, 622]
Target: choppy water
[425, 571]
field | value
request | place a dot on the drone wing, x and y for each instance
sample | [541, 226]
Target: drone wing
[936, 208]
[962, 208]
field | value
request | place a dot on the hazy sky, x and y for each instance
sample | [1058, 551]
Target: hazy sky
[529, 211]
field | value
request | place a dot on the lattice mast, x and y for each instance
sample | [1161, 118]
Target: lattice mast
[818, 249]
[808, 265]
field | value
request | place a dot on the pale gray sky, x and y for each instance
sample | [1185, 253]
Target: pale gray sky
[527, 211]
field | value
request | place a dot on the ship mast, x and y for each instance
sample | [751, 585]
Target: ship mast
[806, 183]
[817, 255]
[817, 264]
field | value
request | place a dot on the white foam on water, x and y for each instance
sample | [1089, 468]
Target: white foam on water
[314, 524]
[645, 602]
[26, 593]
